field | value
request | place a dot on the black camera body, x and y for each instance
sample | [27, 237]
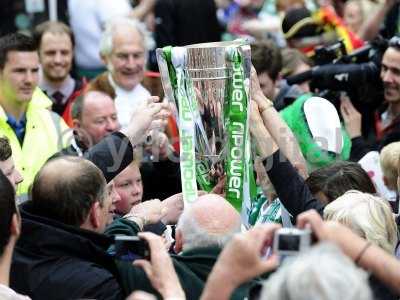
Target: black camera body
[131, 248]
[338, 71]
[357, 74]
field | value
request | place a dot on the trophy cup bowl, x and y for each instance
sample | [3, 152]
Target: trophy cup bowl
[210, 71]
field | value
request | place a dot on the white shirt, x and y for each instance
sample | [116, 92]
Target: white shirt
[126, 102]
[8, 294]
[87, 19]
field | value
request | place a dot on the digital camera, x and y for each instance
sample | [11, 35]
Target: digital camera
[130, 248]
[291, 241]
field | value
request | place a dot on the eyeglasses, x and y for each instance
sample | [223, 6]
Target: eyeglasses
[395, 42]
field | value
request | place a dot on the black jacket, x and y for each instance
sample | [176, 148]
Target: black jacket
[56, 261]
[290, 187]
[184, 22]
[391, 23]
[391, 134]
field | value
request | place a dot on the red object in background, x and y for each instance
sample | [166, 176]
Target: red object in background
[173, 131]
[152, 74]
[67, 111]
[327, 16]
[172, 128]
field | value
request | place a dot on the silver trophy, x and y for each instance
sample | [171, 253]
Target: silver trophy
[208, 72]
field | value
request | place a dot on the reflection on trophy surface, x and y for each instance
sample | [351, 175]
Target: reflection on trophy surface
[210, 71]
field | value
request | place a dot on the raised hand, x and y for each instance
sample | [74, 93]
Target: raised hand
[150, 115]
[256, 93]
[351, 117]
[159, 146]
[173, 207]
[151, 211]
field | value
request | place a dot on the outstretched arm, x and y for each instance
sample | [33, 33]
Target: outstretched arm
[276, 126]
[289, 185]
[115, 152]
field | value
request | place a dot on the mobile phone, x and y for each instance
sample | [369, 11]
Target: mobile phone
[131, 248]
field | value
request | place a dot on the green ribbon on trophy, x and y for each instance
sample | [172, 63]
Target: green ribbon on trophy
[237, 131]
[176, 60]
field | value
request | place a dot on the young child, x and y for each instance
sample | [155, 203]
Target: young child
[389, 159]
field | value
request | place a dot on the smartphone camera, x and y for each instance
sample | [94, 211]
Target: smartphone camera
[130, 248]
[291, 241]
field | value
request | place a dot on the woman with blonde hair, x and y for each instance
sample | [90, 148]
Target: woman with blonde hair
[368, 216]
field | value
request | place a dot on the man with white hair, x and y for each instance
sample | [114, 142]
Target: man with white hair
[87, 19]
[123, 48]
[210, 222]
[203, 230]
[335, 276]
[301, 278]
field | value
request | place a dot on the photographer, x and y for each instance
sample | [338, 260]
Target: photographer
[160, 270]
[202, 232]
[289, 185]
[387, 117]
[379, 73]
[251, 263]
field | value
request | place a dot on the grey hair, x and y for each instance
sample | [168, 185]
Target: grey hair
[106, 42]
[196, 237]
[334, 277]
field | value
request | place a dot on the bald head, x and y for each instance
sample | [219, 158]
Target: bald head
[94, 116]
[72, 167]
[214, 214]
[67, 197]
[209, 222]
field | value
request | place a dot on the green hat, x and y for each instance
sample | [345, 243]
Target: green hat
[318, 130]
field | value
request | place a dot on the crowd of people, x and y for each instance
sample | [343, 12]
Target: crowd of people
[89, 152]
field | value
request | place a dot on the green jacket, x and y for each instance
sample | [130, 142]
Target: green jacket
[122, 226]
[192, 267]
[45, 134]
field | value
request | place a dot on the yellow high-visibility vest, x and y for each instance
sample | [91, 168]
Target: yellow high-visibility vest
[45, 134]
